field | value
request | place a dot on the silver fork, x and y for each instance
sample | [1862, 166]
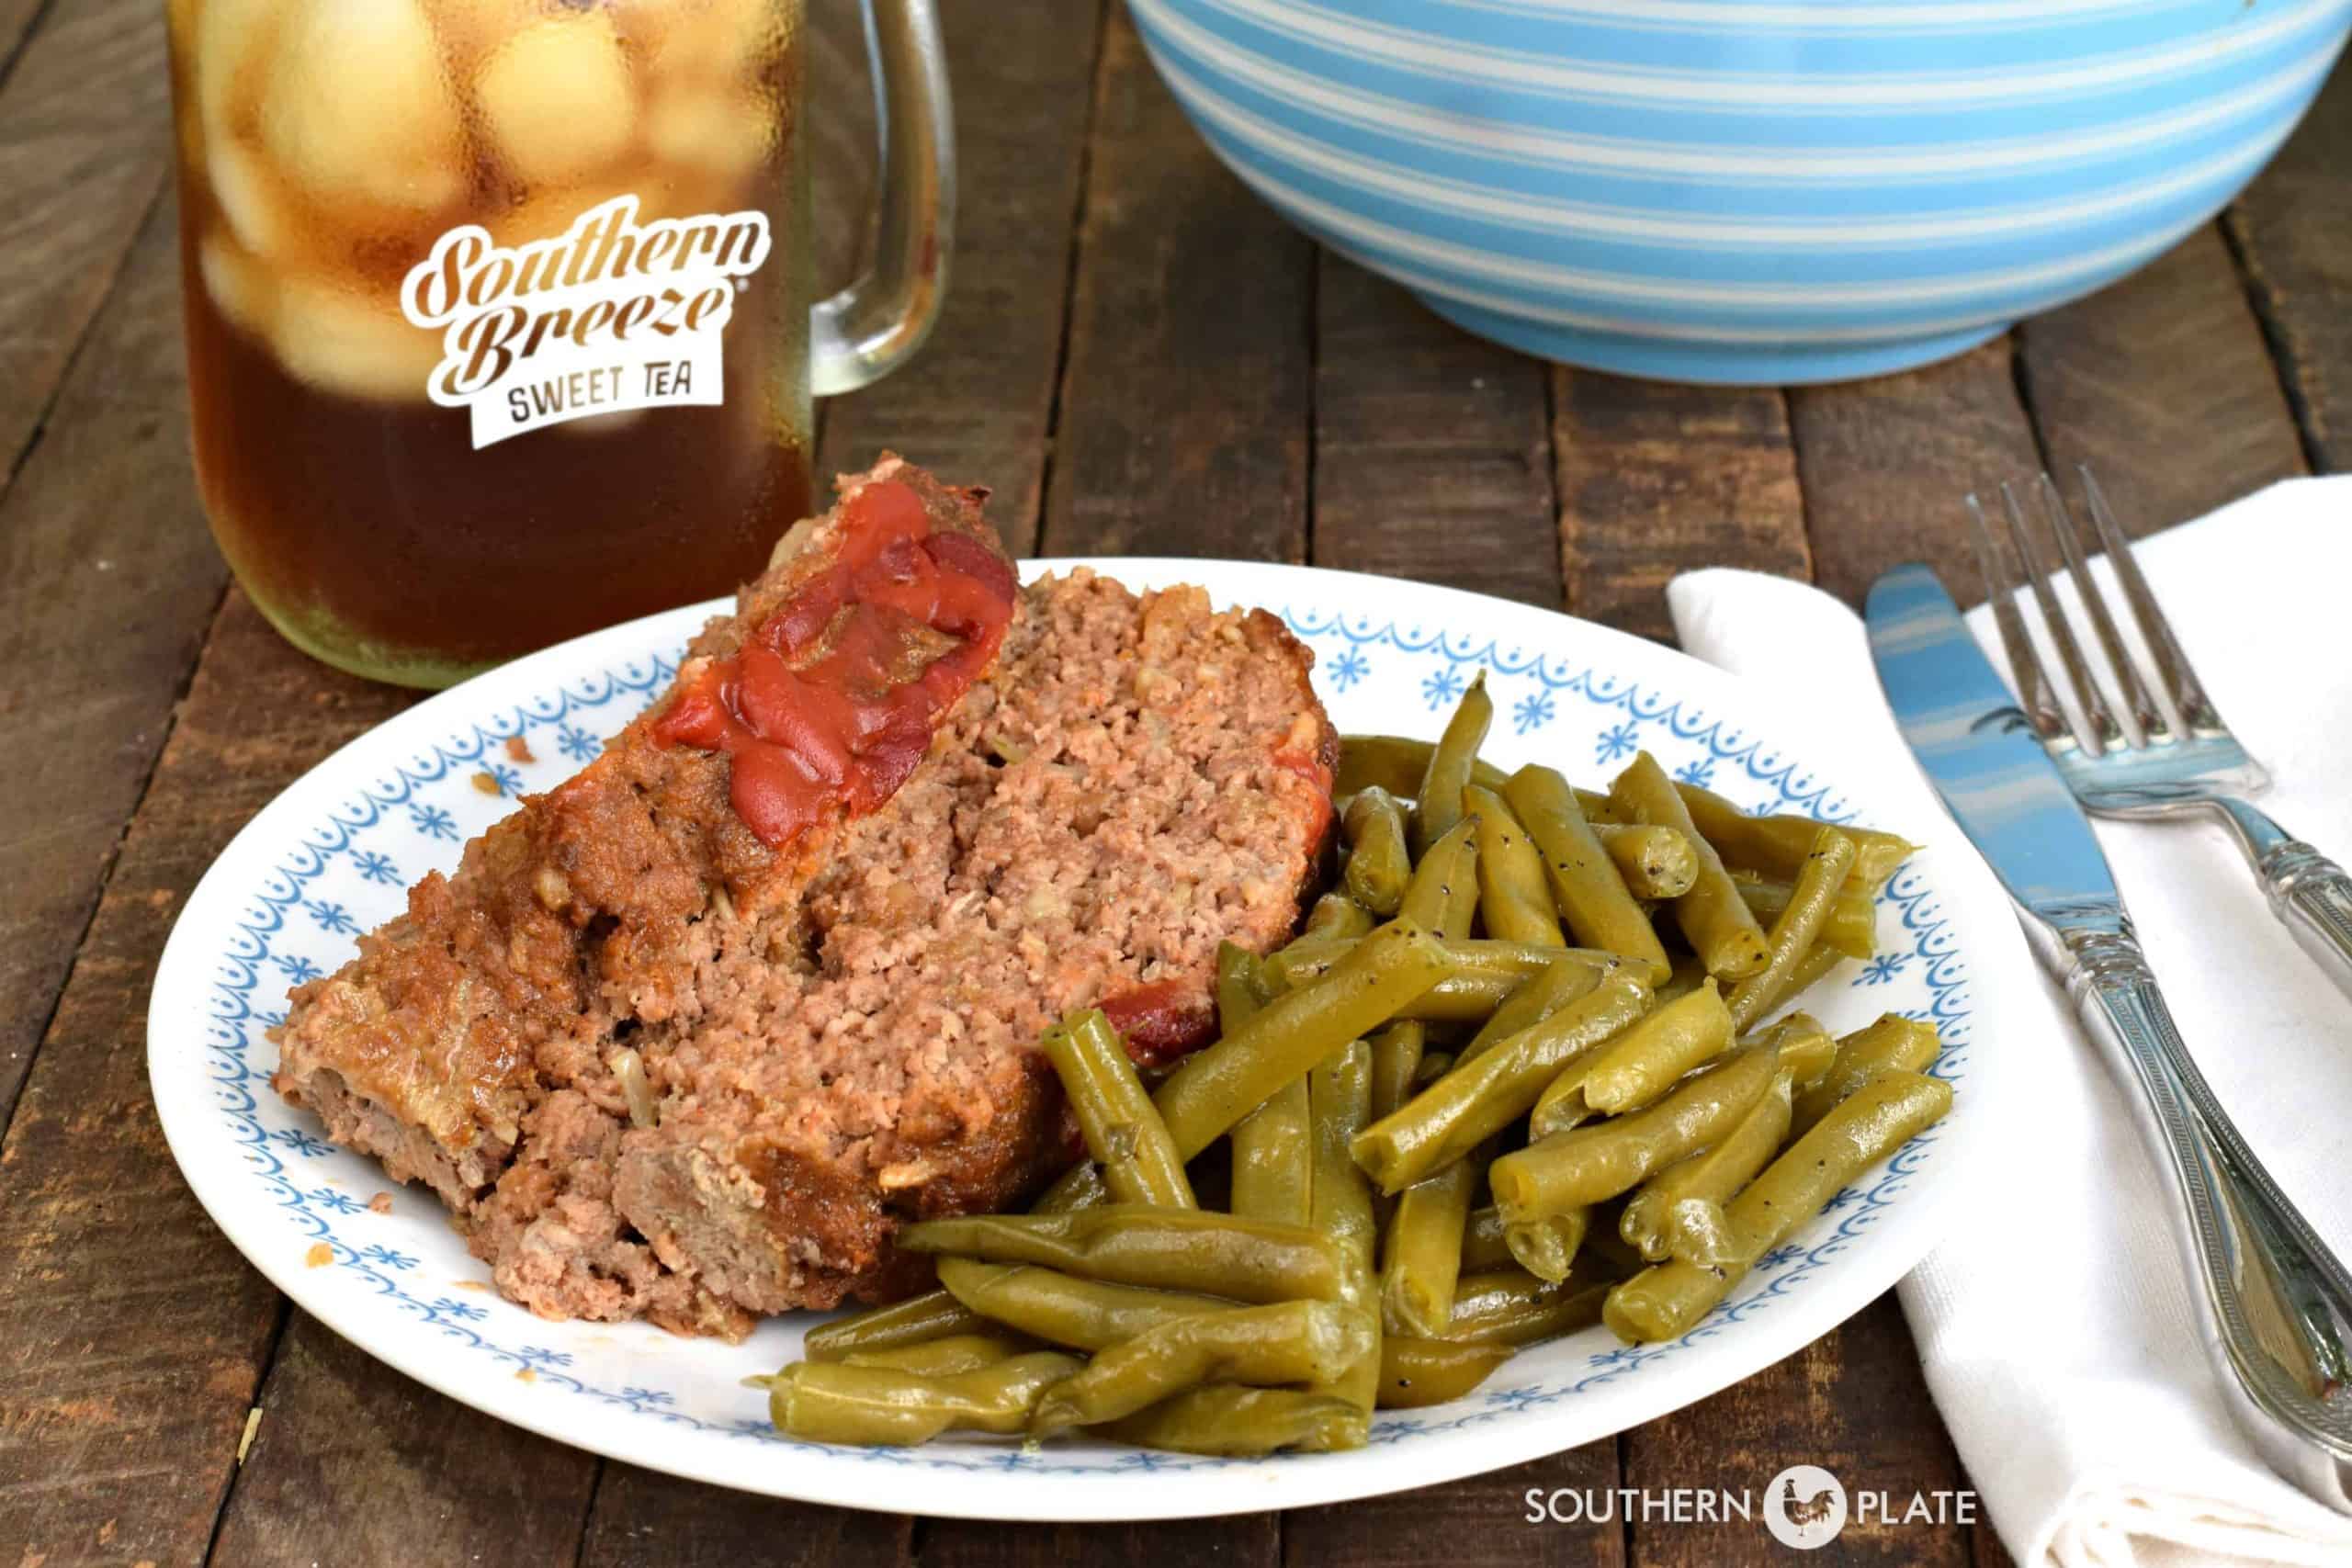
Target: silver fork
[2155, 768]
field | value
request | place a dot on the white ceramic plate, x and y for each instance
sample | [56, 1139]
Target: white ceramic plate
[332, 856]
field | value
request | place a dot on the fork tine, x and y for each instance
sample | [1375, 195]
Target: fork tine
[2105, 733]
[2155, 728]
[2173, 671]
[2041, 705]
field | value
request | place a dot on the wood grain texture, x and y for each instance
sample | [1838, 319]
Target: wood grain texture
[2163, 384]
[1243, 1540]
[974, 402]
[1854, 1404]
[133, 1333]
[84, 145]
[1655, 479]
[1884, 463]
[1433, 454]
[641, 1518]
[16, 18]
[106, 581]
[354, 1463]
[1479, 1522]
[1185, 404]
[2294, 226]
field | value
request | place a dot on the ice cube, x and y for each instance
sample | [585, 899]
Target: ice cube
[359, 107]
[233, 39]
[343, 338]
[253, 199]
[719, 130]
[557, 97]
[239, 284]
[711, 40]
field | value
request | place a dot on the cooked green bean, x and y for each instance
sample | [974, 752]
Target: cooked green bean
[1231, 1420]
[1122, 1130]
[1481, 1097]
[1668, 1298]
[1852, 926]
[1586, 886]
[1338, 1098]
[1335, 916]
[1415, 1372]
[1714, 918]
[943, 1358]
[1588, 1164]
[1715, 1174]
[1131, 1244]
[1562, 1104]
[1806, 1048]
[829, 1402]
[1654, 863]
[1309, 959]
[1511, 1306]
[1776, 846]
[1643, 1062]
[1286, 1342]
[1214, 1088]
[1546, 1247]
[1421, 1256]
[1396, 764]
[1445, 877]
[1437, 803]
[1514, 899]
[1690, 973]
[1484, 1246]
[1241, 987]
[1086, 1314]
[1798, 926]
[1890, 1042]
[918, 1320]
[1397, 1054]
[1378, 862]
[1271, 1155]
[1543, 994]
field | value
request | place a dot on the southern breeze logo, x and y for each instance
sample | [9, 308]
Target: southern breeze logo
[611, 314]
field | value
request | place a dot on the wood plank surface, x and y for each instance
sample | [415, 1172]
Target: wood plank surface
[108, 579]
[1884, 463]
[1183, 411]
[1655, 479]
[642, 1518]
[83, 147]
[134, 1335]
[1481, 1521]
[1433, 454]
[2293, 229]
[2163, 384]
[974, 402]
[352, 1458]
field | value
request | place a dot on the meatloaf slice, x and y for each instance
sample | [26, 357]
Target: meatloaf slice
[688, 1038]
[1140, 779]
[570, 919]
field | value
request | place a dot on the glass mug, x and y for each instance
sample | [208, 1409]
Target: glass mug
[499, 318]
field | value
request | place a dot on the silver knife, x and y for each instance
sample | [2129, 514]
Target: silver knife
[2278, 1303]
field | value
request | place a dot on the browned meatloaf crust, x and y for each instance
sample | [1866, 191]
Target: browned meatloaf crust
[836, 1045]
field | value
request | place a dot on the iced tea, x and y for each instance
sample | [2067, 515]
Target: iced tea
[497, 311]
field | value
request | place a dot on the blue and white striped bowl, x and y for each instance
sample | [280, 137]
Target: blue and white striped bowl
[1745, 190]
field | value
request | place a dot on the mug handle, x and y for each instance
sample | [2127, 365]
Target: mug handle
[861, 332]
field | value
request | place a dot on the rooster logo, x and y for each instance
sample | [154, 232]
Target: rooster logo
[1804, 1508]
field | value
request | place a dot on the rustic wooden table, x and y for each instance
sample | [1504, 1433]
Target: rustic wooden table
[1139, 357]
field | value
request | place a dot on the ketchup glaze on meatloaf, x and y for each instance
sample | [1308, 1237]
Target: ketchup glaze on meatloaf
[689, 1037]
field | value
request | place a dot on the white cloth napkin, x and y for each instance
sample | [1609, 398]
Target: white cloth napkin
[2056, 1321]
